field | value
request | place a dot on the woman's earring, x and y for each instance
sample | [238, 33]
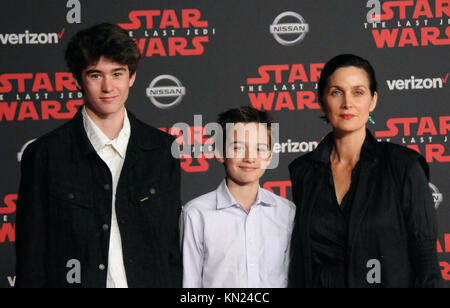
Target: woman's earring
[371, 120]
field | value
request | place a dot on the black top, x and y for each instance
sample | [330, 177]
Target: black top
[65, 202]
[390, 219]
[329, 232]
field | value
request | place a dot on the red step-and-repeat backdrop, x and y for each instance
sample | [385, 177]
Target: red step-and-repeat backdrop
[214, 55]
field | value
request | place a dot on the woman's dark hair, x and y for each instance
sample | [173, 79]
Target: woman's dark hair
[341, 61]
[108, 40]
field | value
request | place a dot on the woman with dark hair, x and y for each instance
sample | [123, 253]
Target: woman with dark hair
[365, 215]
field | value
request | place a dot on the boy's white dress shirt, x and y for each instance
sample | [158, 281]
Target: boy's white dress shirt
[226, 247]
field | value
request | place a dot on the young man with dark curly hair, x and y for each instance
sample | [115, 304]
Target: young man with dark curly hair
[99, 197]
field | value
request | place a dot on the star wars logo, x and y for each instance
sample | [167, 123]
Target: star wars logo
[279, 188]
[7, 229]
[284, 87]
[409, 23]
[169, 32]
[426, 135]
[199, 144]
[38, 96]
[443, 247]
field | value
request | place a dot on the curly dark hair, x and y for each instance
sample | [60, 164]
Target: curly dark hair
[108, 40]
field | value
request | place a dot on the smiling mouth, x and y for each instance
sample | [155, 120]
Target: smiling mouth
[248, 169]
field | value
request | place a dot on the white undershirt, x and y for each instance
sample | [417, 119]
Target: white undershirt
[112, 152]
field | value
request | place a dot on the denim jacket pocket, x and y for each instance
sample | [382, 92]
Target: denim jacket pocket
[72, 194]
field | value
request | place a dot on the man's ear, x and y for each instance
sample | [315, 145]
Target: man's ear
[132, 79]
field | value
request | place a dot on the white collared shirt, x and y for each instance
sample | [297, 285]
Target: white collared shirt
[112, 152]
[226, 247]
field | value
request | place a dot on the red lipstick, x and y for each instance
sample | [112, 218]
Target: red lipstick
[347, 116]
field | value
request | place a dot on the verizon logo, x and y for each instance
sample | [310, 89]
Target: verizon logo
[29, 38]
[414, 83]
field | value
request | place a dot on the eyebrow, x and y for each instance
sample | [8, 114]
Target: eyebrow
[242, 142]
[93, 71]
[339, 87]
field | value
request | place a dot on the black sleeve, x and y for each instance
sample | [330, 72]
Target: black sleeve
[293, 177]
[421, 225]
[31, 220]
[175, 260]
[295, 274]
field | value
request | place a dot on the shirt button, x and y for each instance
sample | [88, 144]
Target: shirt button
[107, 187]
[105, 227]
[101, 267]
[152, 191]
[71, 196]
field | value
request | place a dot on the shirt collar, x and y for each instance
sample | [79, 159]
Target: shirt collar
[323, 151]
[225, 199]
[99, 140]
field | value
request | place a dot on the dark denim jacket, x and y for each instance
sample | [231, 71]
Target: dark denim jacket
[64, 210]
